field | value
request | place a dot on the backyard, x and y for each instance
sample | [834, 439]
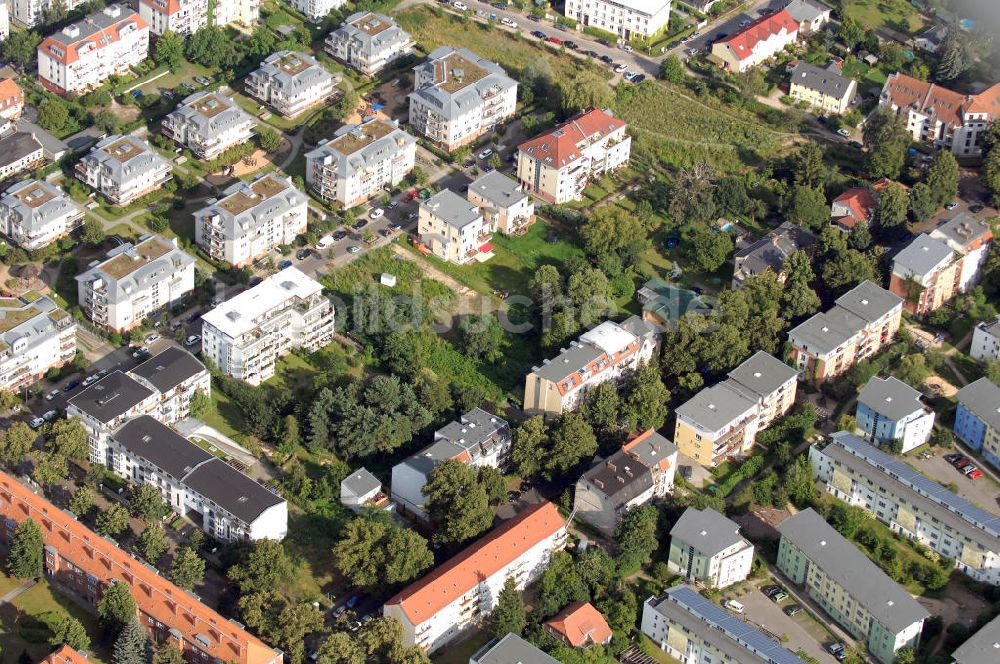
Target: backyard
[895, 14]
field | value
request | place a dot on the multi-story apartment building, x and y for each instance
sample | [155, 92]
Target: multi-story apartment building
[106, 405]
[85, 563]
[558, 165]
[175, 375]
[458, 96]
[707, 547]
[245, 12]
[985, 339]
[605, 353]
[11, 97]
[925, 274]
[811, 15]
[463, 591]
[369, 42]
[245, 336]
[640, 472]
[977, 419]
[863, 322]
[30, 13]
[912, 505]
[511, 648]
[84, 54]
[769, 253]
[479, 439]
[123, 169]
[824, 89]
[453, 229]
[694, 630]
[890, 410]
[971, 238]
[34, 214]
[852, 589]
[4, 21]
[291, 83]
[317, 9]
[759, 41]
[504, 205]
[629, 19]
[361, 161]
[941, 117]
[723, 420]
[208, 123]
[19, 151]
[981, 647]
[251, 219]
[227, 504]
[135, 282]
[181, 16]
[35, 336]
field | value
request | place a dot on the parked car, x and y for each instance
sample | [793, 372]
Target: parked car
[360, 223]
[353, 249]
[510, 23]
[554, 40]
[639, 79]
[834, 648]
[376, 213]
[71, 385]
[734, 606]
[606, 59]
[779, 596]
[35, 422]
[951, 206]
[770, 590]
[591, 54]
[395, 227]
[744, 23]
[793, 610]
[90, 380]
[627, 48]
[603, 42]
[460, 6]
[50, 415]
[843, 132]
[486, 154]
[302, 254]
[972, 472]
[629, 75]
[284, 265]
[150, 338]
[538, 34]
[952, 458]
[571, 45]
[52, 395]
[192, 340]
[622, 68]
[392, 205]
[339, 235]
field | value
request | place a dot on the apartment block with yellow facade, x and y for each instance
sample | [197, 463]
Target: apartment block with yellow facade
[453, 229]
[863, 321]
[925, 274]
[824, 89]
[911, 505]
[723, 420]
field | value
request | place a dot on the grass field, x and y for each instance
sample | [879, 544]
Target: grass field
[865, 76]
[896, 14]
[22, 621]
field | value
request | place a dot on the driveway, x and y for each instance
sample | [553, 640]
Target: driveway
[800, 630]
[984, 492]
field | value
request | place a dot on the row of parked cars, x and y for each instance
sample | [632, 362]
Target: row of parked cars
[964, 465]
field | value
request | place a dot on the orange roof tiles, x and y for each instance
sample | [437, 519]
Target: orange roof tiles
[494, 551]
[155, 596]
[9, 89]
[562, 145]
[67, 53]
[859, 201]
[169, 7]
[635, 439]
[945, 105]
[745, 41]
[580, 624]
[65, 655]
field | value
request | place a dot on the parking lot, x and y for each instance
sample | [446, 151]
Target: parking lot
[803, 631]
[983, 492]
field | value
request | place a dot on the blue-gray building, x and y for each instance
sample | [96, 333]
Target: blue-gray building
[889, 409]
[977, 420]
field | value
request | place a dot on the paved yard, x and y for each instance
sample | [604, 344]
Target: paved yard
[983, 492]
[803, 631]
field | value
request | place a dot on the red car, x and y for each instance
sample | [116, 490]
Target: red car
[554, 40]
[410, 195]
[972, 472]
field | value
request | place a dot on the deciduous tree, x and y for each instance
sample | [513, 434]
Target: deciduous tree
[457, 503]
[113, 521]
[70, 631]
[885, 138]
[69, 439]
[152, 542]
[170, 50]
[117, 606]
[374, 553]
[531, 439]
[942, 177]
[188, 568]
[26, 557]
[807, 206]
[265, 567]
[16, 441]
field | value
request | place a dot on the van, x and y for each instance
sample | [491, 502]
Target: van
[734, 606]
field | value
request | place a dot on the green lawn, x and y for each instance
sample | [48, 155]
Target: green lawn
[653, 651]
[460, 652]
[865, 76]
[170, 81]
[224, 416]
[895, 14]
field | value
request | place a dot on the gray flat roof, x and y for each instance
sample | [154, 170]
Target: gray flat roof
[921, 256]
[762, 374]
[706, 530]
[568, 362]
[983, 647]
[361, 481]
[962, 230]
[716, 406]
[452, 208]
[891, 398]
[498, 189]
[852, 570]
[511, 649]
[869, 301]
[982, 398]
[824, 331]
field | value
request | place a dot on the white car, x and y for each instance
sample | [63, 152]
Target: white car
[486, 154]
[376, 213]
[510, 23]
[353, 249]
[90, 380]
[150, 338]
[36, 422]
[192, 340]
[621, 68]
[843, 132]
[52, 395]
[629, 75]
[734, 606]
[50, 415]
[460, 6]
[627, 48]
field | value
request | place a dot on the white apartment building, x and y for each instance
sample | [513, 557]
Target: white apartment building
[756, 43]
[181, 16]
[175, 375]
[35, 336]
[135, 282]
[912, 505]
[34, 214]
[290, 82]
[208, 123]
[504, 205]
[458, 96]
[230, 506]
[369, 42]
[707, 547]
[317, 9]
[245, 336]
[970, 237]
[695, 630]
[106, 405]
[558, 165]
[453, 229]
[606, 353]
[30, 13]
[4, 21]
[629, 19]
[986, 341]
[123, 169]
[361, 161]
[83, 55]
[251, 219]
[19, 151]
[463, 591]
[890, 410]
[245, 12]
[479, 439]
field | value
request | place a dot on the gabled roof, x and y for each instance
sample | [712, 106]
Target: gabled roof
[771, 251]
[580, 624]
[9, 89]
[804, 10]
[621, 478]
[821, 79]
[938, 102]
[166, 449]
[65, 655]
[859, 202]
[744, 42]
[94, 32]
[562, 145]
[111, 397]
[168, 369]
[651, 448]
[231, 490]
[511, 649]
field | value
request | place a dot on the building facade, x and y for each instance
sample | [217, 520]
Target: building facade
[925, 274]
[34, 214]
[756, 43]
[890, 410]
[458, 96]
[184, 17]
[83, 55]
[503, 203]
[977, 419]
[558, 165]
[175, 376]
[824, 89]
[123, 169]
[245, 12]
[971, 238]
[369, 42]
[317, 9]
[251, 219]
[985, 340]
[707, 547]
[246, 335]
[135, 282]
[35, 336]
[208, 124]
[361, 162]
[291, 82]
[453, 229]
[629, 19]
[11, 98]
[19, 152]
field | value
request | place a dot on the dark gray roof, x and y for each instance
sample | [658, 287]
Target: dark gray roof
[169, 369]
[762, 374]
[498, 189]
[921, 256]
[511, 649]
[822, 80]
[891, 398]
[16, 147]
[111, 397]
[706, 530]
[852, 570]
[771, 252]
[161, 446]
[983, 647]
[94, 23]
[361, 481]
[231, 490]
[716, 406]
[452, 208]
[982, 398]
[621, 477]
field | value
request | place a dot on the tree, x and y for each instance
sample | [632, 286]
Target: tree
[860, 237]
[493, 483]
[509, 615]
[942, 177]
[531, 438]
[750, 83]
[21, 46]
[152, 542]
[603, 409]
[457, 503]
[560, 585]
[188, 568]
[809, 165]
[70, 631]
[106, 121]
[93, 233]
[265, 567]
[636, 537]
[48, 468]
[113, 521]
[848, 269]
[168, 654]
[885, 138]
[807, 206]
[890, 209]
[585, 89]
[913, 370]
[672, 69]
[268, 139]
[16, 441]
[201, 404]
[375, 553]
[483, 338]
[210, 47]
[117, 606]
[799, 299]
[53, 115]
[572, 441]
[340, 648]
[711, 249]
[645, 406]
[851, 32]
[955, 58]
[922, 202]
[26, 557]
[68, 438]
[82, 501]
[169, 50]
[609, 229]
[132, 645]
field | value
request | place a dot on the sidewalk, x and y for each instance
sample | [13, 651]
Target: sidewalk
[16, 592]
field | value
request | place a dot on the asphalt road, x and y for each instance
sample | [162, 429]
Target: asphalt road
[762, 611]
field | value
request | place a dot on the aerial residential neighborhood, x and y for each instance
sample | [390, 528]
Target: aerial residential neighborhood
[499, 332]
